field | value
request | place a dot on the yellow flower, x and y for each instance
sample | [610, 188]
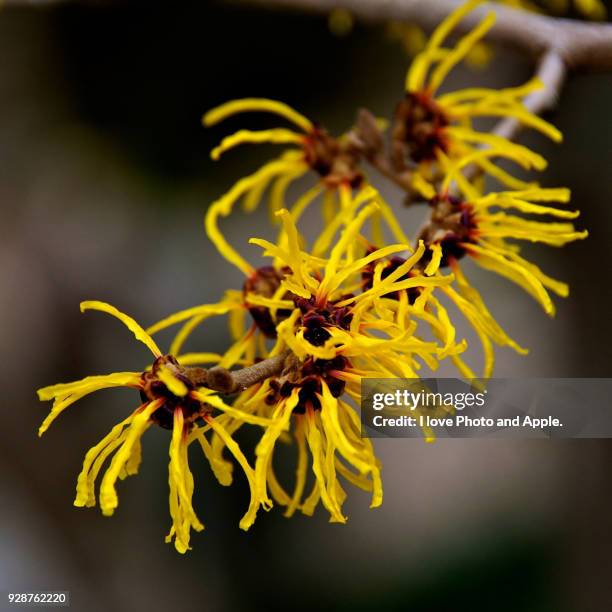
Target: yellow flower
[480, 227]
[337, 337]
[263, 289]
[331, 158]
[335, 161]
[327, 317]
[428, 124]
[329, 428]
[173, 397]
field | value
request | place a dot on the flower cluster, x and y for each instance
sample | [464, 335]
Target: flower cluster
[363, 300]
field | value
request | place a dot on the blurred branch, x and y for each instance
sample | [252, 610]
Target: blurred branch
[579, 44]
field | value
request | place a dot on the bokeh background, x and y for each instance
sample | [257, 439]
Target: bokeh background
[104, 178]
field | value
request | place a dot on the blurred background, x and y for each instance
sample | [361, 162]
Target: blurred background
[104, 179]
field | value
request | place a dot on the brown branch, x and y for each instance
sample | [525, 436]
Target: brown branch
[367, 139]
[226, 381]
[579, 44]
